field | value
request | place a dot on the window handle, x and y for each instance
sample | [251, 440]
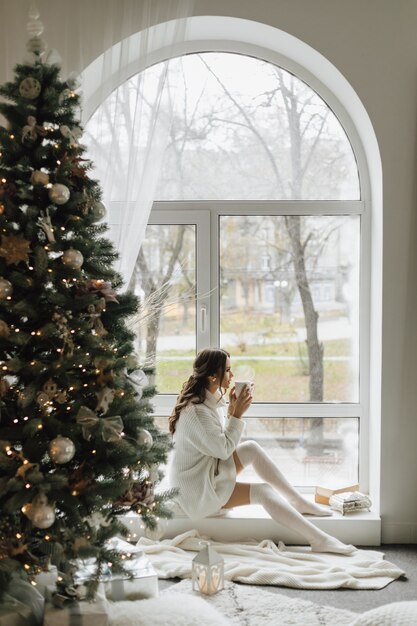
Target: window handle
[203, 319]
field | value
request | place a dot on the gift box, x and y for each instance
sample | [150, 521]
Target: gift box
[143, 584]
[140, 581]
[15, 613]
[76, 614]
[46, 579]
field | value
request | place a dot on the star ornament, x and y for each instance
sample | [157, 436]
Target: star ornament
[14, 248]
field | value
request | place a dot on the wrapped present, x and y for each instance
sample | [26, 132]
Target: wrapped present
[143, 584]
[140, 581]
[15, 613]
[46, 579]
[76, 614]
[350, 502]
[22, 591]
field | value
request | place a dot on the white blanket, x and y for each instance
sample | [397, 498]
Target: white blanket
[266, 564]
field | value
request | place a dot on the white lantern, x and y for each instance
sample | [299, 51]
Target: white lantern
[208, 571]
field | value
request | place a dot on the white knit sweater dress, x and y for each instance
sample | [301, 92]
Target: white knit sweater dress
[201, 464]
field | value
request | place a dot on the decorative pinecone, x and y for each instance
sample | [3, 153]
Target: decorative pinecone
[140, 493]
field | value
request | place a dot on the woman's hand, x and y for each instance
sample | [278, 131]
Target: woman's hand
[240, 404]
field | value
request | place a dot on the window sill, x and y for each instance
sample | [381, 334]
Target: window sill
[252, 522]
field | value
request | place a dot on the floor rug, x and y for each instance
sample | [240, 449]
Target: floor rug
[265, 563]
[243, 605]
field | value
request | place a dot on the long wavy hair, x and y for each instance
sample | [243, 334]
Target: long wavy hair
[208, 362]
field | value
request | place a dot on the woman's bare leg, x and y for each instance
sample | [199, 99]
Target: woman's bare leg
[239, 497]
[251, 453]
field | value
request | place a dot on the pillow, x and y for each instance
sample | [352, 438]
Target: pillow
[398, 613]
[169, 609]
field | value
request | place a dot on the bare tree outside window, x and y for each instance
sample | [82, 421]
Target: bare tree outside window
[246, 130]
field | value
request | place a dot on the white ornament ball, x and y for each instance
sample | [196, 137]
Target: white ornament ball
[39, 178]
[98, 211]
[144, 438]
[30, 88]
[42, 516]
[6, 288]
[59, 194]
[61, 450]
[73, 259]
[73, 80]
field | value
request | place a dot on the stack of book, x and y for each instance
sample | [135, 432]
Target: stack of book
[323, 494]
[350, 502]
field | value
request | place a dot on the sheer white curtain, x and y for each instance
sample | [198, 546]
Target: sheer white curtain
[127, 115]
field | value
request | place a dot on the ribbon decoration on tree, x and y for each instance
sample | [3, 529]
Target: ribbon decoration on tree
[138, 381]
[73, 134]
[32, 129]
[111, 427]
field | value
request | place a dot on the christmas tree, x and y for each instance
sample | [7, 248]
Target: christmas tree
[78, 444]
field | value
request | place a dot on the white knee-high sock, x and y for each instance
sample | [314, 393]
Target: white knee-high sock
[251, 453]
[282, 512]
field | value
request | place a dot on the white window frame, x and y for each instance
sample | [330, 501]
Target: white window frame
[206, 214]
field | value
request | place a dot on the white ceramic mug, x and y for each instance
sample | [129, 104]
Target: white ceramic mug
[241, 384]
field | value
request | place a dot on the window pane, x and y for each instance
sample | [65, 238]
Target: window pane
[309, 451]
[289, 296]
[244, 128]
[165, 280]
[240, 129]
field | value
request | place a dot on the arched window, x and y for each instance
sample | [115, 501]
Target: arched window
[254, 244]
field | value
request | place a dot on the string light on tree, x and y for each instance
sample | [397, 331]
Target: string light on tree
[65, 346]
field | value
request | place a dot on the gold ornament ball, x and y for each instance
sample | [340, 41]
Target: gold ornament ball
[61, 450]
[30, 88]
[6, 288]
[42, 516]
[39, 178]
[144, 438]
[59, 194]
[73, 259]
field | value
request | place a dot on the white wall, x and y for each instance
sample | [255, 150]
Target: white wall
[373, 44]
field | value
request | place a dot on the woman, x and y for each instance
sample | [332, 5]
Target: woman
[207, 456]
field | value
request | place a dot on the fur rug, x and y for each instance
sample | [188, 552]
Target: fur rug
[236, 605]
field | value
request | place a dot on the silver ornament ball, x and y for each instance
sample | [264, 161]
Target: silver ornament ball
[98, 211]
[61, 450]
[6, 288]
[144, 438]
[42, 516]
[59, 194]
[30, 88]
[73, 259]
